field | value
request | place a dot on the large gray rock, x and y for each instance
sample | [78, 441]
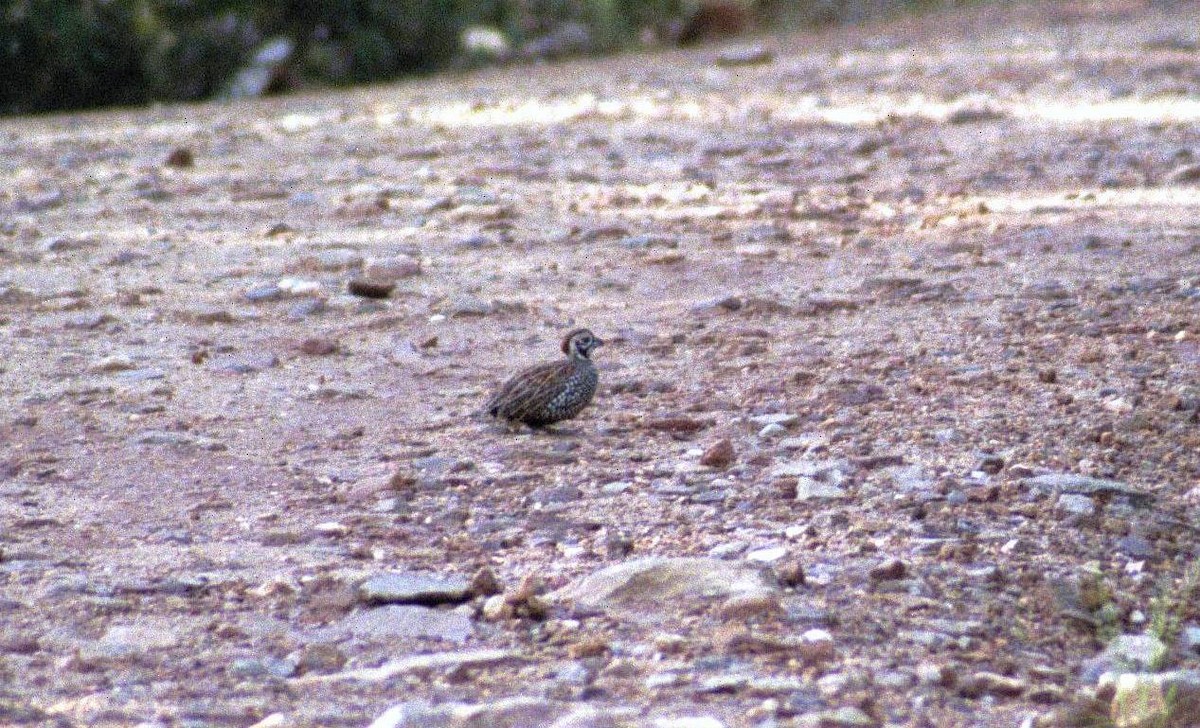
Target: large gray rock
[1150, 700]
[1126, 653]
[654, 588]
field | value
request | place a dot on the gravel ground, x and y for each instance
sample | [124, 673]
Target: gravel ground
[897, 422]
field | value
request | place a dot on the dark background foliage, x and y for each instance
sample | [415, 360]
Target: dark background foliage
[76, 54]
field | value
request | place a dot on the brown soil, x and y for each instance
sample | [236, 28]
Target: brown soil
[962, 250]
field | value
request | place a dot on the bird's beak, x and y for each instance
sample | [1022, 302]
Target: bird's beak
[597, 342]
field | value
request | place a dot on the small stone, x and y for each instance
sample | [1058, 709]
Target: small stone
[754, 55]
[767, 555]
[485, 583]
[991, 464]
[497, 609]
[588, 647]
[1075, 504]
[783, 419]
[809, 489]
[772, 431]
[888, 570]
[263, 293]
[718, 455]
[462, 306]
[370, 288]
[746, 606]
[318, 346]
[990, 683]
[114, 363]
[319, 659]
[929, 673]
[180, 158]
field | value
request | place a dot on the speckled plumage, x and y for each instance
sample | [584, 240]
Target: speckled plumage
[548, 393]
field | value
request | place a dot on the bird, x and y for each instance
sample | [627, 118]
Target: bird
[552, 392]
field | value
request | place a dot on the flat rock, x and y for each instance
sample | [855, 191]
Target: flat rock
[130, 641]
[1087, 485]
[413, 588]
[418, 664]
[514, 712]
[652, 588]
[401, 621]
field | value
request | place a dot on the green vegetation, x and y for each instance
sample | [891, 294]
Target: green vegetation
[75, 54]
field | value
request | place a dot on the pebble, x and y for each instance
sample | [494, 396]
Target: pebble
[114, 363]
[299, 286]
[990, 683]
[616, 487]
[414, 588]
[497, 609]
[718, 455]
[783, 419]
[809, 489]
[1075, 504]
[460, 306]
[754, 55]
[772, 431]
[263, 293]
[370, 287]
[890, 569]
[318, 346]
[768, 555]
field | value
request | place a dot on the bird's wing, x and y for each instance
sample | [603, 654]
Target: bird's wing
[529, 390]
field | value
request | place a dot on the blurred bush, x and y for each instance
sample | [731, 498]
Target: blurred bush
[75, 54]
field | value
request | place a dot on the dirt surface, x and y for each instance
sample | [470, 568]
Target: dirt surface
[960, 252]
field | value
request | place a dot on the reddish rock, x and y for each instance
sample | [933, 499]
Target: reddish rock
[719, 455]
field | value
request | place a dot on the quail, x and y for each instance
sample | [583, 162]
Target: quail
[548, 393]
